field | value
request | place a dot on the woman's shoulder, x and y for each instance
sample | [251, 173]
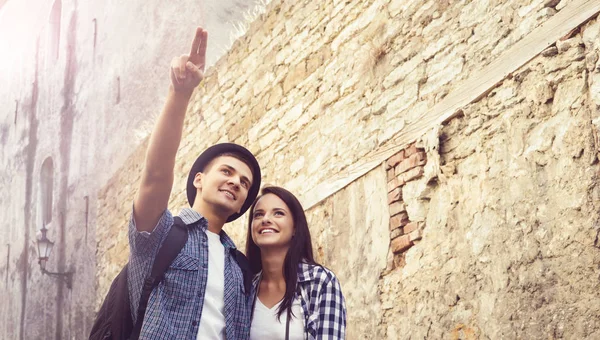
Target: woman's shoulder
[315, 272]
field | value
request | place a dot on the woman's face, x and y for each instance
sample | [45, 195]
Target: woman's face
[272, 223]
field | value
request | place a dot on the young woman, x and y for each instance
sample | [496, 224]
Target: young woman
[293, 297]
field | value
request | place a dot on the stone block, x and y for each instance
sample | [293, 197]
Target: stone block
[296, 75]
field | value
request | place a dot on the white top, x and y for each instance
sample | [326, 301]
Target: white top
[265, 325]
[212, 322]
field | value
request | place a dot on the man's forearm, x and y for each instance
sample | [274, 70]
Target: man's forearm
[186, 73]
[166, 136]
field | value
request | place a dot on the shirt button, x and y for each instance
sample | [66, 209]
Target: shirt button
[194, 323]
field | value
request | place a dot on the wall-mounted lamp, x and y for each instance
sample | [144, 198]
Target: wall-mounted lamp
[44, 251]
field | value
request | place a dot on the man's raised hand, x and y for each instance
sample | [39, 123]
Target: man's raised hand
[187, 71]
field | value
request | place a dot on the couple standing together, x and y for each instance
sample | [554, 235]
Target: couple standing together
[203, 295]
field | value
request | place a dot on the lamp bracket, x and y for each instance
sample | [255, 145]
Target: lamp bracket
[67, 277]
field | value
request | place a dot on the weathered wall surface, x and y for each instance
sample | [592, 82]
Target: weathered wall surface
[503, 212]
[350, 236]
[510, 245]
[77, 87]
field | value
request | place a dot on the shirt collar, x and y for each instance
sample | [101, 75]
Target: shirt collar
[305, 272]
[190, 216]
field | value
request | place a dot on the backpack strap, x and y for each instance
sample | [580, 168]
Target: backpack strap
[244, 265]
[176, 239]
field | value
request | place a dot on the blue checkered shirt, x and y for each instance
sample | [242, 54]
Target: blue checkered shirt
[322, 302]
[175, 306]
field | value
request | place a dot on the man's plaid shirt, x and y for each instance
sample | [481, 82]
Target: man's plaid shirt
[322, 302]
[175, 306]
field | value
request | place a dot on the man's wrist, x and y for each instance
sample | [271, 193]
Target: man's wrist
[180, 94]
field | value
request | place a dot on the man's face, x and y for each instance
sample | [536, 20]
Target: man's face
[223, 185]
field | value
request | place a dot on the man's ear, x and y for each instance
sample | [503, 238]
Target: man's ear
[198, 180]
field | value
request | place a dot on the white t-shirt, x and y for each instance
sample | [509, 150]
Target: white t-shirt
[212, 322]
[265, 325]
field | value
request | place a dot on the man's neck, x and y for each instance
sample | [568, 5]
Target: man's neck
[215, 220]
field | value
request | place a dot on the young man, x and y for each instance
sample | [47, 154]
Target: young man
[202, 295]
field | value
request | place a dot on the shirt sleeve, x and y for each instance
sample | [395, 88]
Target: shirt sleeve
[332, 310]
[143, 248]
[143, 243]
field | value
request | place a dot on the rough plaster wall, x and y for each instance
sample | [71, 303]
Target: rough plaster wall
[510, 248]
[350, 236]
[66, 108]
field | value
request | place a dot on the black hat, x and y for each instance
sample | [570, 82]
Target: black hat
[210, 154]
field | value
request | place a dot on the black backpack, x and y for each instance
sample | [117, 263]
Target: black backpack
[114, 321]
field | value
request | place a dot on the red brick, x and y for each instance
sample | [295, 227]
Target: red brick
[403, 166]
[410, 227]
[395, 233]
[415, 235]
[412, 149]
[407, 164]
[395, 159]
[400, 244]
[393, 184]
[398, 221]
[394, 195]
[397, 207]
[413, 173]
[391, 174]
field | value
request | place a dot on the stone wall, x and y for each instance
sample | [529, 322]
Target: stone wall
[510, 242]
[502, 207]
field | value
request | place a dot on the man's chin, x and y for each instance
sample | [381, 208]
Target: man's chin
[225, 209]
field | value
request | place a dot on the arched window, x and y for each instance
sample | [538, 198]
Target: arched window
[46, 190]
[55, 15]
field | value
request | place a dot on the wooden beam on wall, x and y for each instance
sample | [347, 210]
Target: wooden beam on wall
[479, 84]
